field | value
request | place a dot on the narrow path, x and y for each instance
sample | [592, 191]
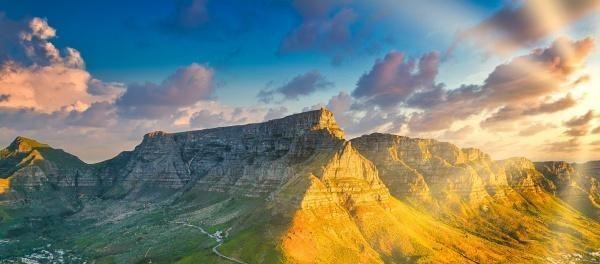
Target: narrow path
[217, 237]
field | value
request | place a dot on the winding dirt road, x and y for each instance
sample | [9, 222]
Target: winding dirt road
[218, 238]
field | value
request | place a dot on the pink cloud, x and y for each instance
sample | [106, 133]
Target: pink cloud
[526, 80]
[394, 79]
[46, 79]
[525, 23]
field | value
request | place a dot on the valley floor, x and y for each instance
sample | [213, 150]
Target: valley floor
[193, 227]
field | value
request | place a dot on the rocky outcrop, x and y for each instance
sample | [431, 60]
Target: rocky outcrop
[27, 165]
[345, 180]
[317, 197]
[257, 159]
[251, 160]
[590, 168]
[522, 175]
[421, 168]
[591, 172]
[560, 173]
[575, 186]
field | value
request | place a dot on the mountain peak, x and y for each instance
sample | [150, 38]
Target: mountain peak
[23, 144]
[316, 120]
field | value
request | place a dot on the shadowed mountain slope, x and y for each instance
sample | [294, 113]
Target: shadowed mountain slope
[294, 190]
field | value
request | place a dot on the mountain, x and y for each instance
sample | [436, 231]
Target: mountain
[294, 190]
[576, 184]
[43, 178]
[29, 165]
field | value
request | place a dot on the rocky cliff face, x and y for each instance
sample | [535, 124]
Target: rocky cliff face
[466, 189]
[27, 165]
[578, 187]
[425, 168]
[251, 160]
[350, 177]
[591, 172]
[320, 198]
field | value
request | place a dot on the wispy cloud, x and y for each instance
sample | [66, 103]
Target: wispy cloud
[301, 85]
[580, 120]
[525, 23]
[528, 80]
[185, 87]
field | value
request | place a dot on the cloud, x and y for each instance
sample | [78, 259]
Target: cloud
[513, 113]
[320, 28]
[534, 129]
[541, 72]
[35, 41]
[28, 42]
[48, 94]
[301, 85]
[185, 87]
[569, 146]
[209, 114]
[111, 90]
[275, 113]
[73, 58]
[98, 115]
[339, 29]
[552, 107]
[101, 114]
[218, 20]
[504, 114]
[189, 14]
[581, 120]
[577, 131]
[431, 121]
[207, 119]
[340, 102]
[525, 23]
[26, 118]
[356, 122]
[35, 74]
[83, 133]
[39, 29]
[525, 80]
[581, 80]
[596, 130]
[395, 79]
[214, 114]
[47, 88]
[459, 134]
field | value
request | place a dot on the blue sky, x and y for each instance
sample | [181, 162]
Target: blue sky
[231, 50]
[127, 41]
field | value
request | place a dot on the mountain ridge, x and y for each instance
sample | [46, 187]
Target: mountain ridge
[294, 190]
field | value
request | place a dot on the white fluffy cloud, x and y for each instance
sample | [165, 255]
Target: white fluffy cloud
[48, 94]
[45, 88]
[39, 29]
[44, 78]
